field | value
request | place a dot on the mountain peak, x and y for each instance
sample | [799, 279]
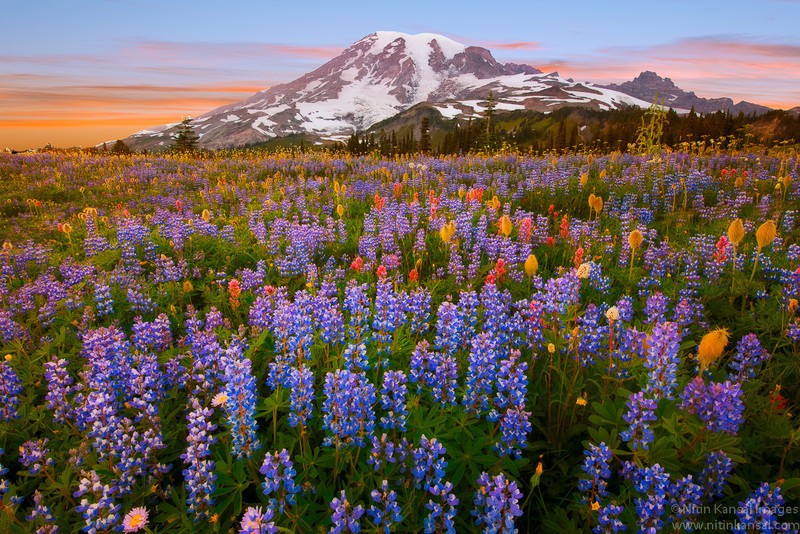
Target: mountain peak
[649, 86]
[422, 43]
[388, 72]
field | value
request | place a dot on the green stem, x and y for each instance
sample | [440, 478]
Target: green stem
[755, 264]
[630, 271]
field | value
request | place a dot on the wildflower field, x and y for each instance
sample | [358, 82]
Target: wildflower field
[311, 342]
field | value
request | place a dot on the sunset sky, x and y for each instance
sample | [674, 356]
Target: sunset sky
[80, 73]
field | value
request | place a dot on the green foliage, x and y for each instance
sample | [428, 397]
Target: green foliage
[572, 403]
[185, 138]
[651, 131]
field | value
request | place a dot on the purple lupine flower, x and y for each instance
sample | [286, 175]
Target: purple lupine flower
[278, 485]
[355, 357]
[329, 318]
[442, 515]
[345, 518]
[132, 453]
[199, 476]
[449, 328]
[387, 513]
[384, 450]
[653, 482]
[496, 503]
[714, 477]
[42, 511]
[10, 389]
[4, 483]
[608, 522]
[255, 522]
[685, 499]
[240, 405]
[641, 410]
[761, 511]
[301, 396]
[97, 505]
[496, 310]
[357, 304]
[481, 374]
[393, 400]
[625, 307]
[388, 314]
[719, 405]
[418, 306]
[429, 463]
[749, 355]
[509, 406]
[435, 371]
[656, 307]
[595, 464]
[103, 299]
[662, 360]
[348, 416]
[592, 335]
[34, 455]
[10, 329]
[155, 335]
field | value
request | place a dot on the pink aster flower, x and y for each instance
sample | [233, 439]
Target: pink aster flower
[135, 520]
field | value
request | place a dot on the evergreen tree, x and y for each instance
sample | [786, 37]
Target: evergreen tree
[186, 138]
[425, 136]
[383, 144]
[120, 147]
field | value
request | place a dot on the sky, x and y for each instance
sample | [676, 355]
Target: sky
[84, 72]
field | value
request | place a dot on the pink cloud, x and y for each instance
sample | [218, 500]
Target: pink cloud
[761, 72]
[165, 50]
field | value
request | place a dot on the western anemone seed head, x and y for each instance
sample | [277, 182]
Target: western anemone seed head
[711, 347]
[787, 181]
[505, 225]
[447, 231]
[340, 210]
[591, 201]
[598, 204]
[736, 232]
[206, 215]
[612, 314]
[531, 265]
[584, 270]
[584, 179]
[635, 239]
[765, 234]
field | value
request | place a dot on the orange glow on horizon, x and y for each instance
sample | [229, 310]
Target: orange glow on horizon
[103, 114]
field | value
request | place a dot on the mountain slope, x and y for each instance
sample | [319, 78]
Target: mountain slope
[374, 79]
[386, 73]
[649, 86]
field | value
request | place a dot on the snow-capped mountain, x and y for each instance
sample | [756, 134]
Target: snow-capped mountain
[379, 76]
